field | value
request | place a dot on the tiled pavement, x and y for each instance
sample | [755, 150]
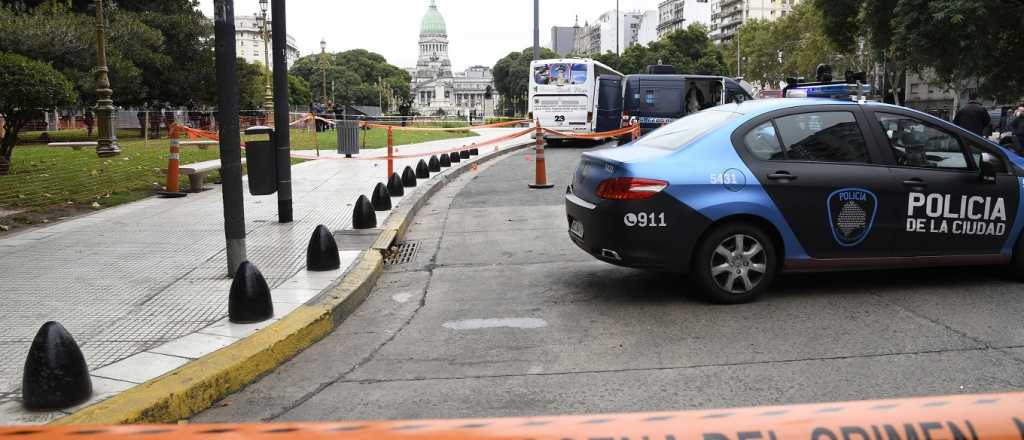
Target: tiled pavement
[142, 287]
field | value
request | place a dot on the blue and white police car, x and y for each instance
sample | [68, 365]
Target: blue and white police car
[736, 194]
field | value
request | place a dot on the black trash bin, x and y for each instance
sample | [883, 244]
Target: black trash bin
[260, 158]
[348, 137]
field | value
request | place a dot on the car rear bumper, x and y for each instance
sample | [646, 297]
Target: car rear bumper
[612, 232]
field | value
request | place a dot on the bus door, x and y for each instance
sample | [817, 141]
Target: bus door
[609, 103]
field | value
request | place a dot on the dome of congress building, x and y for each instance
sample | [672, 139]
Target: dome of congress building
[433, 21]
[436, 90]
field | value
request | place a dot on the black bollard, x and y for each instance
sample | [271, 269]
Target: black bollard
[464, 154]
[446, 161]
[434, 164]
[55, 376]
[409, 177]
[249, 301]
[381, 199]
[395, 186]
[474, 152]
[422, 170]
[322, 252]
[455, 158]
[364, 216]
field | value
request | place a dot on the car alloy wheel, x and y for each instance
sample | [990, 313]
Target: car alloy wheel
[739, 263]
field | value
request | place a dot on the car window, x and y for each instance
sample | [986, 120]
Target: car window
[735, 94]
[823, 137]
[919, 144]
[763, 143]
[976, 149]
[682, 132]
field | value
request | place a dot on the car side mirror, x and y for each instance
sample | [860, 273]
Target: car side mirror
[989, 168]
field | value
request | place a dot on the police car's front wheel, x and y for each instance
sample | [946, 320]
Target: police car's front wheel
[735, 263]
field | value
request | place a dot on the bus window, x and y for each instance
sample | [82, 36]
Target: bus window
[560, 74]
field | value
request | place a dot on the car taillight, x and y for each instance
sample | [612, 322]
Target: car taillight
[630, 188]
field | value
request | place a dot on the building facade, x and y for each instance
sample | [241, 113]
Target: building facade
[249, 41]
[563, 39]
[600, 37]
[728, 15]
[674, 15]
[436, 90]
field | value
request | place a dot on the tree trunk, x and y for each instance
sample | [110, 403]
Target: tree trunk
[7, 149]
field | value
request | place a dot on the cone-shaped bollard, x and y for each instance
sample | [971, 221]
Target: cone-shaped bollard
[322, 252]
[409, 177]
[395, 186]
[381, 200]
[474, 152]
[464, 154]
[249, 301]
[434, 165]
[455, 158]
[56, 376]
[364, 216]
[446, 161]
[422, 170]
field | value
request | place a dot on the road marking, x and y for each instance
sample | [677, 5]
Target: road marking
[478, 324]
[402, 297]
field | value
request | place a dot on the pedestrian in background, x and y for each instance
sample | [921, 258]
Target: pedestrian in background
[973, 117]
[1017, 127]
[89, 121]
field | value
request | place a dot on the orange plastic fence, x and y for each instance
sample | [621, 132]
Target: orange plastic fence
[963, 417]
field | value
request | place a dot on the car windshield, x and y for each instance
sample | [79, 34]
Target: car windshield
[681, 133]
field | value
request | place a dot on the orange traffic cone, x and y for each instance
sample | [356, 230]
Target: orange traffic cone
[541, 181]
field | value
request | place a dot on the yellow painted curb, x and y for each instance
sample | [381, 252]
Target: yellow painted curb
[197, 385]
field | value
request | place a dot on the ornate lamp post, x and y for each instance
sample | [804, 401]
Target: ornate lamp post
[268, 96]
[323, 71]
[106, 135]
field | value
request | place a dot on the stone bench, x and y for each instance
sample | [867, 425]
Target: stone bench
[197, 172]
[74, 145]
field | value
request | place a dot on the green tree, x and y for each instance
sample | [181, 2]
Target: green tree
[30, 87]
[353, 75]
[298, 92]
[689, 50]
[961, 43]
[252, 83]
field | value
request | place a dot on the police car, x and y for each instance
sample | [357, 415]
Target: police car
[736, 194]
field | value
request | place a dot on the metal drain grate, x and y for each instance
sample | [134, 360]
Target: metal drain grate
[401, 253]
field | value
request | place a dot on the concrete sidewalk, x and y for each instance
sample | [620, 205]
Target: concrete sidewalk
[142, 287]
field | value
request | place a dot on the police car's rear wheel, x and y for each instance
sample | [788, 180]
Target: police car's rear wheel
[735, 263]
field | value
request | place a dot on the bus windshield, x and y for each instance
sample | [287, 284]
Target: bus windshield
[560, 74]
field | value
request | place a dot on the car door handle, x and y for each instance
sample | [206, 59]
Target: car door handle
[915, 183]
[781, 175]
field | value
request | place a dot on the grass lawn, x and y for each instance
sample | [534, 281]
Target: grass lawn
[48, 179]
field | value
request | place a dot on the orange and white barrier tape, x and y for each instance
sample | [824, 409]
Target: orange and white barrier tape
[962, 417]
[469, 127]
[632, 129]
[501, 139]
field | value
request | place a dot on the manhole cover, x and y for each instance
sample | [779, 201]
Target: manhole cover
[401, 253]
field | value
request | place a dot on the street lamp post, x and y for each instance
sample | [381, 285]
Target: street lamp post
[268, 96]
[323, 71]
[106, 135]
[536, 30]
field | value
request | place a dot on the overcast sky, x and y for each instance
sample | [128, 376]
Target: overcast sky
[479, 31]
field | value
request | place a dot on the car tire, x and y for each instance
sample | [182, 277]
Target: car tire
[735, 263]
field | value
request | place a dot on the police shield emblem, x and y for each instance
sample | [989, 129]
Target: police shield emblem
[851, 214]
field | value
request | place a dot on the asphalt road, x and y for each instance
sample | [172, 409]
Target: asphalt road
[499, 314]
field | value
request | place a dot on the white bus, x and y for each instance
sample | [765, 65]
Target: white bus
[580, 96]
